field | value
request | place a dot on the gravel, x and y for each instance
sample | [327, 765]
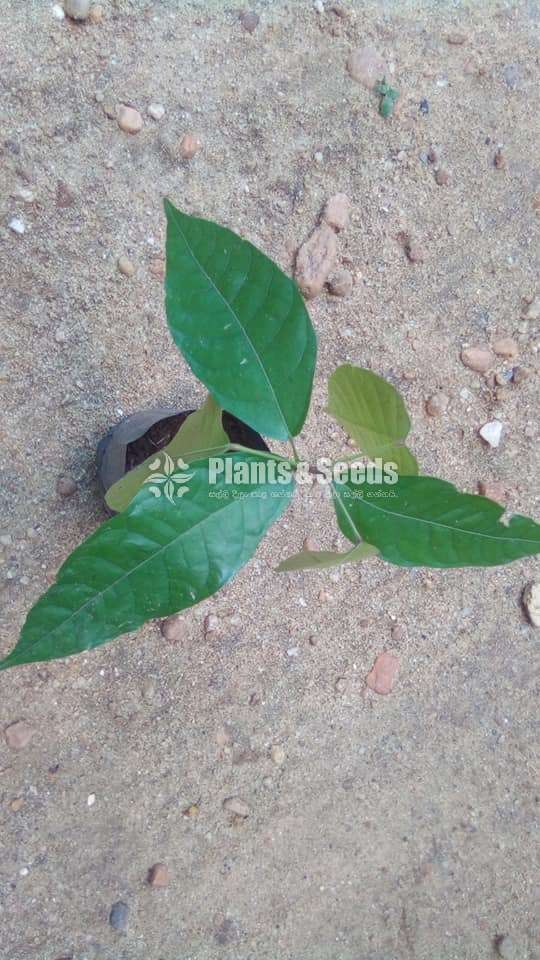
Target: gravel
[119, 916]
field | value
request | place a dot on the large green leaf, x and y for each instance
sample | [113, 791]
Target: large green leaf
[240, 323]
[322, 559]
[422, 521]
[150, 561]
[200, 436]
[372, 412]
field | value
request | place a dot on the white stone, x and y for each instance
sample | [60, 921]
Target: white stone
[531, 602]
[277, 755]
[91, 799]
[156, 111]
[491, 432]
[17, 225]
[77, 9]
[58, 12]
[23, 193]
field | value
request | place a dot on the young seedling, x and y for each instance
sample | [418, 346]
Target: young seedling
[389, 97]
[191, 516]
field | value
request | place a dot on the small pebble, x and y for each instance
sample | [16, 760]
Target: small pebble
[511, 75]
[434, 154]
[58, 11]
[340, 283]
[311, 546]
[340, 11]
[77, 9]
[148, 689]
[173, 628]
[91, 799]
[318, 5]
[125, 266]
[129, 120]
[367, 67]
[506, 347]
[531, 602]
[211, 625]
[521, 374]
[437, 404]
[157, 268]
[498, 160]
[236, 806]
[96, 13]
[159, 876]
[442, 177]
[16, 804]
[337, 211]
[249, 20]
[397, 632]
[478, 358]
[415, 252]
[64, 196]
[456, 38]
[18, 735]
[277, 755]
[23, 193]
[493, 490]
[17, 225]
[532, 311]
[109, 108]
[156, 111]
[118, 917]
[424, 107]
[60, 335]
[315, 261]
[512, 948]
[65, 487]
[381, 678]
[340, 685]
[189, 145]
[491, 432]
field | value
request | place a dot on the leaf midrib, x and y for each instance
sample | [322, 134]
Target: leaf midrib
[235, 317]
[436, 523]
[139, 566]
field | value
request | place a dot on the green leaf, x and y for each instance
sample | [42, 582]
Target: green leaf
[200, 436]
[321, 559]
[406, 462]
[240, 323]
[372, 412]
[150, 561]
[423, 521]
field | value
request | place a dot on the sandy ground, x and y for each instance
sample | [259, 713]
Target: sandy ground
[398, 827]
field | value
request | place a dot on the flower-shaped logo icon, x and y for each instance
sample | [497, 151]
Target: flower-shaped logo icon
[168, 482]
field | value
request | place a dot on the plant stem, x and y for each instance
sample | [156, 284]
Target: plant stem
[262, 453]
[294, 450]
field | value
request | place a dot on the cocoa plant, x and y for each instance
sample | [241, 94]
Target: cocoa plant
[191, 516]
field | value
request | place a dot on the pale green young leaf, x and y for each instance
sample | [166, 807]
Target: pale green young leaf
[200, 436]
[321, 559]
[372, 412]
